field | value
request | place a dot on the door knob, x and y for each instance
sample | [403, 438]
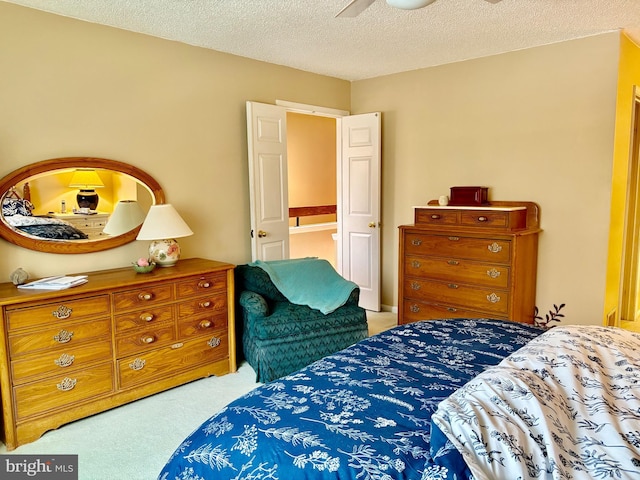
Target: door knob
[262, 234]
[372, 224]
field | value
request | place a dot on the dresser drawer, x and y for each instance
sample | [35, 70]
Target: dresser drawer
[61, 391]
[59, 336]
[144, 339]
[435, 216]
[474, 298]
[511, 220]
[141, 318]
[456, 246]
[202, 284]
[415, 310]
[150, 295]
[61, 361]
[203, 325]
[202, 305]
[457, 271]
[55, 312]
[172, 359]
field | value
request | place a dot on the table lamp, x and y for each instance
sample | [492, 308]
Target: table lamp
[87, 180]
[163, 225]
[125, 217]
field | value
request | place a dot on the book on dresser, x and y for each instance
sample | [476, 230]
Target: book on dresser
[67, 354]
[458, 261]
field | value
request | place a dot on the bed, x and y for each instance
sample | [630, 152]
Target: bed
[17, 213]
[437, 400]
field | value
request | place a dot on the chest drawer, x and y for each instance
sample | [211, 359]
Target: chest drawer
[193, 325]
[141, 318]
[54, 313]
[61, 361]
[202, 305]
[56, 337]
[414, 310]
[58, 392]
[172, 359]
[141, 297]
[456, 270]
[474, 298]
[456, 246]
[433, 216]
[201, 285]
[144, 339]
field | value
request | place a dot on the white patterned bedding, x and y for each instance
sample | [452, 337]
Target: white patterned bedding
[565, 406]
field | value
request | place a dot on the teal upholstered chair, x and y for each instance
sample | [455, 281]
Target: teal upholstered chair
[279, 337]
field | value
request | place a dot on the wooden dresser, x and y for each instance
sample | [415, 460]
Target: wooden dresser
[120, 337]
[469, 262]
[92, 225]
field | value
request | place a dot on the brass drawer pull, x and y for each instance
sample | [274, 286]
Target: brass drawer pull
[62, 312]
[63, 336]
[415, 286]
[145, 296]
[214, 342]
[454, 239]
[137, 364]
[178, 345]
[415, 264]
[451, 309]
[205, 304]
[493, 273]
[146, 317]
[435, 216]
[494, 247]
[204, 324]
[493, 298]
[66, 384]
[452, 285]
[64, 360]
[416, 242]
[148, 339]
[414, 308]
[204, 284]
[483, 219]
[453, 262]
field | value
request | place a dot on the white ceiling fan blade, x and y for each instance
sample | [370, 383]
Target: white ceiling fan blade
[354, 8]
[493, 1]
[409, 4]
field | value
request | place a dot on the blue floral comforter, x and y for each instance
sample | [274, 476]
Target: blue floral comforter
[362, 413]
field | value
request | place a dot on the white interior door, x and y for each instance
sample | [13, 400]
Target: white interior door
[268, 190]
[359, 205]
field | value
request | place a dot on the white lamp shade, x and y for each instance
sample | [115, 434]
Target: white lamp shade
[409, 4]
[85, 178]
[126, 216]
[163, 222]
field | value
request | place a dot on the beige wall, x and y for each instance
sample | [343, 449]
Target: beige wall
[531, 125]
[70, 88]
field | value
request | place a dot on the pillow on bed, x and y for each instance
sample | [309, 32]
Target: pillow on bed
[16, 206]
[567, 405]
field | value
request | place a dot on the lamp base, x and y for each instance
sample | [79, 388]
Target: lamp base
[165, 253]
[87, 199]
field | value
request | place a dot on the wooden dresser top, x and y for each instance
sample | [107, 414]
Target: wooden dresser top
[115, 278]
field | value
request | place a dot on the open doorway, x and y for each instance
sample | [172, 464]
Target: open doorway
[312, 181]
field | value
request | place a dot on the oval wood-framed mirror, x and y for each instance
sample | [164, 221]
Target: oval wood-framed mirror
[12, 185]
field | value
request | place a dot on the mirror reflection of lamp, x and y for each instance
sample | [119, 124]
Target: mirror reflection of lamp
[163, 225]
[125, 217]
[86, 179]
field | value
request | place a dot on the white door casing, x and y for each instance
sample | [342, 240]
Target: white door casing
[359, 205]
[268, 189]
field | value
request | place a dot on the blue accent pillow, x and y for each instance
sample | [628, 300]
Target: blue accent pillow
[16, 206]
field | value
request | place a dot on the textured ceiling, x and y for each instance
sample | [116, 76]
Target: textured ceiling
[305, 34]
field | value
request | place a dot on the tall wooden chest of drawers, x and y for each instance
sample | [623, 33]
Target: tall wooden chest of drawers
[121, 336]
[469, 262]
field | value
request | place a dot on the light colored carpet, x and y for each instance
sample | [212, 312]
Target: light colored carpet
[134, 441]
